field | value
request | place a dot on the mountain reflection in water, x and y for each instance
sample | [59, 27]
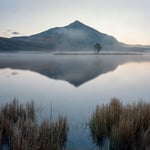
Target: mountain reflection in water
[76, 69]
[122, 76]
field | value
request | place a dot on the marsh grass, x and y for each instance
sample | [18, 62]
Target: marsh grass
[126, 126]
[19, 129]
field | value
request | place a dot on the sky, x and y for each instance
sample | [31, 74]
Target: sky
[126, 20]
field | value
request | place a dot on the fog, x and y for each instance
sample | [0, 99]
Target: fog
[75, 69]
[73, 34]
[73, 85]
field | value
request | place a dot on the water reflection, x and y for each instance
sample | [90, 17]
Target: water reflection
[76, 69]
[129, 82]
[100, 78]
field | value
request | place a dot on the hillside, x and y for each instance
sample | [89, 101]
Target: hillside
[73, 37]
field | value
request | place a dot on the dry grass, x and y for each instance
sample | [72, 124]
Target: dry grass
[126, 126]
[19, 129]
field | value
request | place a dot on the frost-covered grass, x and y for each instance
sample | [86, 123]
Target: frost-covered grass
[126, 126]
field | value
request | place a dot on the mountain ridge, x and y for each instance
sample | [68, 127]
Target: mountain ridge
[73, 37]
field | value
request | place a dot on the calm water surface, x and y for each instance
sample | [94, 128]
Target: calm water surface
[74, 85]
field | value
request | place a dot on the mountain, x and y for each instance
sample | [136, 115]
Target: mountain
[73, 37]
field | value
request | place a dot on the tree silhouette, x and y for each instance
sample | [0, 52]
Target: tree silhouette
[97, 47]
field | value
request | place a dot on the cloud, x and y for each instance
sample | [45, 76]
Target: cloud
[74, 34]
[9, 33]
[15, 33]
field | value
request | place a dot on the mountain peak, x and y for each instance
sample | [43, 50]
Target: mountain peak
[76, 24]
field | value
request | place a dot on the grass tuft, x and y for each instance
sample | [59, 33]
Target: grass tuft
[19, 129]
[126, 126]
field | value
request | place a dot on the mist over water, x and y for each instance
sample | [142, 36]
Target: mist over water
[74, 85]
[75, 69]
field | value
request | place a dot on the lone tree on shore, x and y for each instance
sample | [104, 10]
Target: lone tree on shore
[97, 47]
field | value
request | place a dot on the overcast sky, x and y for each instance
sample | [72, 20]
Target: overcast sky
[127, 20]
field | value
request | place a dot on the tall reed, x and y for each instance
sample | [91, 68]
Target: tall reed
[19, 129]
[126, 126]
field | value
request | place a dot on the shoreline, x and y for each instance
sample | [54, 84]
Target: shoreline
[74, 53]
[103, 53]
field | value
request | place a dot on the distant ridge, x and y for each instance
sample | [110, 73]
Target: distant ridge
[73, 37]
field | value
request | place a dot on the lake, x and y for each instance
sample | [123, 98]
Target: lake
[72, 85]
